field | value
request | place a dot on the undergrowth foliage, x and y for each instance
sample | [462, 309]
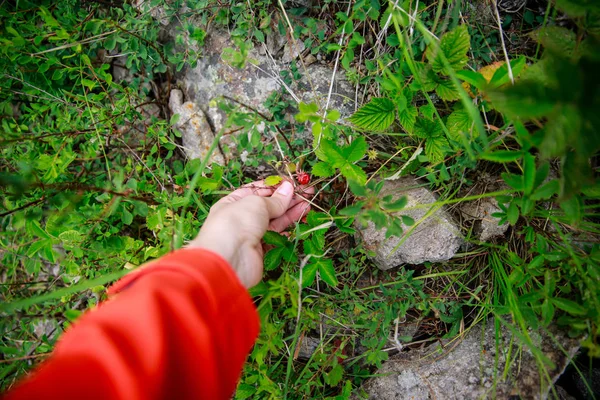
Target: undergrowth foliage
[95, 183]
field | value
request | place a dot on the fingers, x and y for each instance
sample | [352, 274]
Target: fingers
[293, 215]
[280, 201]
[257, 188]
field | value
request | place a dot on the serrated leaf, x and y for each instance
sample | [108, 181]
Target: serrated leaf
[435, 148]
[335, 375]
[408, 117]
[546, 191]
[71, 236]
[327, 272]
[454, 46]
[426, 129]
[427, 110]
[354, 173]
[273, 180]
[273, 258]
[309, 272]
[275, 239]
[376, 115]
[333, 115]
[446, 90]
[331, 153]
[322, 170]
[459, 124]
[351, 210]
[356, 150]
[396, 205]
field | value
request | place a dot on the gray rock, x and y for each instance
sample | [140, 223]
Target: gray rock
[197, 135]
[45, 327]
[480, 212]
[468, 369]
[213, 78]
[434, 239]
[307, 346]
[292, 50]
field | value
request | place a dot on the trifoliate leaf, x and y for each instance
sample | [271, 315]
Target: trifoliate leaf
[322, 170]
[454, 46]
[356, 150]
[330, 152]
[376, 115]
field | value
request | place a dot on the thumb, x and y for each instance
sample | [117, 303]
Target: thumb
[280, 201]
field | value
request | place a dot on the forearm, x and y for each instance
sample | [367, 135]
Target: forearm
[181, 327]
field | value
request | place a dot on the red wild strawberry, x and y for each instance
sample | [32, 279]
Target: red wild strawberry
[302, 177]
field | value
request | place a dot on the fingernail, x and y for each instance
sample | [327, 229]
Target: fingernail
[285, 189]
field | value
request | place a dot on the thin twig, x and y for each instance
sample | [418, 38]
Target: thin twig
[510, 73]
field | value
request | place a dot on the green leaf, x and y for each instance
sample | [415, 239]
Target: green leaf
[356, 150]
[273, 258]
[335, 375]
[454, 46]
[126, 217]
[331, 153]
[427, 110]
[333, 115]
[352, 210]
[436, 149]
[273, 180]
[502, 156]
[546, 191]
[376, 115]
[396, 205]
[528, 172]
[525, 100]
[569, 306]
[327, 271]
[322, 170]
[426, 129]
[473, 78]
[512, 214]
[354, 173]
[501, 76]
[573, 208]
[408, 117]
[275, 239]
[446, 90]
[309, 272]
[71, 236]
[358, 190]
[308, 108]
[460, 124]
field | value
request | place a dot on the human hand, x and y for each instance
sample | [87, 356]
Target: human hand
[236, 224]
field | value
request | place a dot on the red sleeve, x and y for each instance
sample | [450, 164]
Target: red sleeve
[178, 328]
